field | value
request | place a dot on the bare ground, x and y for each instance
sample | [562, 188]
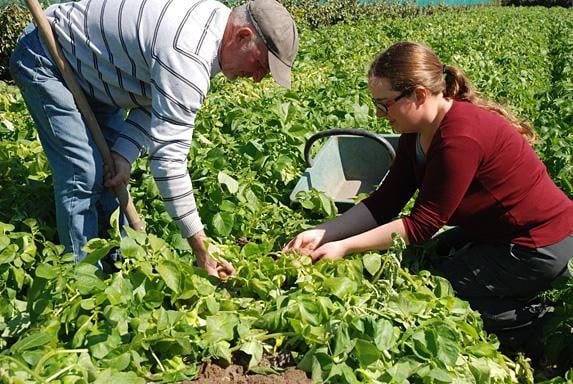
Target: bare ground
[211, 373]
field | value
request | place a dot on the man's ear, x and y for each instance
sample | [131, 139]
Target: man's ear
[244, 34]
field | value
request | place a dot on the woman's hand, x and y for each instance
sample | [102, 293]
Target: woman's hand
[334, 250]
[306, 241]
[120, 175]
[310, 243]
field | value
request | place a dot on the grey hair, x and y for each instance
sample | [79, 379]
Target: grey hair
[241, 18]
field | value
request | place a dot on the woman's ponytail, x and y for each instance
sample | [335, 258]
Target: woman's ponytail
[408, 65]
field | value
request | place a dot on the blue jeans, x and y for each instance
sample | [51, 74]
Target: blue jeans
[83, 204]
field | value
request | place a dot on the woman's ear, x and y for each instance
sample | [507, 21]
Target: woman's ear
[421, 94]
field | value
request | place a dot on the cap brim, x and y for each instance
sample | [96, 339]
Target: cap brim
[279, 71]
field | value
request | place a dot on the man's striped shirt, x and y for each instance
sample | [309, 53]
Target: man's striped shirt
[155, 58]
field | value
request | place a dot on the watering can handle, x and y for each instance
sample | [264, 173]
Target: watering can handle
[347, 131]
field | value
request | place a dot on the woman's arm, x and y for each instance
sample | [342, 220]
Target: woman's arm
[377, 238]
[356, 220]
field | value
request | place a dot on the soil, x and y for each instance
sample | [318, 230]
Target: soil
[212, 373]
[235, 374]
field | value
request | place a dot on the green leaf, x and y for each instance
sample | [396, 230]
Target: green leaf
[4, 240]
[384, 334]
[439, 375]
[118, 317]
[168, 319]
[251, 250]
[87, 280]
[96, 250]
[119, 291]
[32, 341]
[307, 311]
[327, 205]
[372, 263]
[261, 287]
[228, 206]
[47, 271]
[220, 327]
[202, 285]
[19, 275]
[424, 343]
[448, 343]
[443, 288]
[221, 349]
[408, 304]
[484, 369]
[226, 180]
[137, 236]
[101, 349]
[131, 249]
[212, 305]
[171, 274]
[399, 372]
[366, 353]
[341, 287]
[342, 342]
[223, 223]
[5, 227]
[119, 363]
[348, 374]
[297, 130]
[255, 350]
[109, 376]
[8, 254]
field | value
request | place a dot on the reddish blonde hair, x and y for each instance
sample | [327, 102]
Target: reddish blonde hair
[407, 65]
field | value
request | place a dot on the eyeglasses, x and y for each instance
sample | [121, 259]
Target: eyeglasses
[384, 106]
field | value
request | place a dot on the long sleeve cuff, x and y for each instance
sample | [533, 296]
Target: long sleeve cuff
[190, 225]
[127, 149]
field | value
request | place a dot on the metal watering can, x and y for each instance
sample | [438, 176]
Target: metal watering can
[351, 162]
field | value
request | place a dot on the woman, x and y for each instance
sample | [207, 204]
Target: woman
[473, 168]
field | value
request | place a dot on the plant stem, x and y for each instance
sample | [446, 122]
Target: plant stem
[50, 354]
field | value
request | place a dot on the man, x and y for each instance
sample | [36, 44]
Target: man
[154, 58]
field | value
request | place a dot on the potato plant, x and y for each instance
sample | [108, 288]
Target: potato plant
[371, 318]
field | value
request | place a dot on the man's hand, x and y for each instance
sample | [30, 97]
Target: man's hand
[120, 175]
[218, 266]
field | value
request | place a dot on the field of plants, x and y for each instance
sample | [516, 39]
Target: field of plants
[371, 318]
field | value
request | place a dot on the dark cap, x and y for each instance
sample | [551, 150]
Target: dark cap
[276, 27]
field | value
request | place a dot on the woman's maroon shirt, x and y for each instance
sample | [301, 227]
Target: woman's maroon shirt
[480, 174]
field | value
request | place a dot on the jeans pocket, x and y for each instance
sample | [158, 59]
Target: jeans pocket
[533, 268]
[29, 63]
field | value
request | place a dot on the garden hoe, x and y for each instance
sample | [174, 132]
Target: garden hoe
[45, 29]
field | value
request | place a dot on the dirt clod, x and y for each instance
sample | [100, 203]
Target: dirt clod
[211, 373]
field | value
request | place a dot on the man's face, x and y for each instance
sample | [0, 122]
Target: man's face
[241, 57]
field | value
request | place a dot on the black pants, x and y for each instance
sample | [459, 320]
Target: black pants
[501, 281]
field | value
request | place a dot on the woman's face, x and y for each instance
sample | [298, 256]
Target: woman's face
[399, 108]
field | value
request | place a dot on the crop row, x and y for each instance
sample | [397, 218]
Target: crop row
[365, 319]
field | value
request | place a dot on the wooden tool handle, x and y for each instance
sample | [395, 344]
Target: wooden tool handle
[45, 29]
